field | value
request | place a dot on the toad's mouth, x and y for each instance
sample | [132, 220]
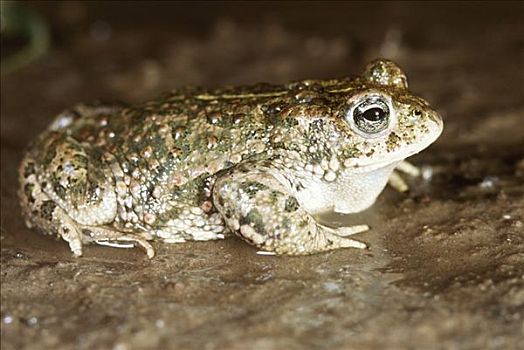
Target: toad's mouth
[372, 164]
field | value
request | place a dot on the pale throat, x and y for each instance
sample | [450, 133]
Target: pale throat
[352, 191]
[358, 191]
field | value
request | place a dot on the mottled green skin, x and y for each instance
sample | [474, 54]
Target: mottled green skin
[197, 164]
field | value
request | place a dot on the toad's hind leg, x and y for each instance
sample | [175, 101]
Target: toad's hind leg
[259, 209]
[67, 191]
[42, 211]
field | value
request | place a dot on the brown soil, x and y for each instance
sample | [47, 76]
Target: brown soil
[446, 264]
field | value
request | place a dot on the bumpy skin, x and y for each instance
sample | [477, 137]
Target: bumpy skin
[258, 161]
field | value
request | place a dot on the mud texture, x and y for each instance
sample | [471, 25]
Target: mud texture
[446, 264]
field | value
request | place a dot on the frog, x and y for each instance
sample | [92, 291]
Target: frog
[261, 162]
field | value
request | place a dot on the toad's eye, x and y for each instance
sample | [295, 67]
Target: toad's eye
[371, 116]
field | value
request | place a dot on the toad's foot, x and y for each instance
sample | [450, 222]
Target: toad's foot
[259, 209]
[347, 231]
[396, 181]
[77, 235]
[116, 239]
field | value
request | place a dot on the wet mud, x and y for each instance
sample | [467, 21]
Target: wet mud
[445, 268]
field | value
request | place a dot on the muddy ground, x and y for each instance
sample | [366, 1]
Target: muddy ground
[446, 265]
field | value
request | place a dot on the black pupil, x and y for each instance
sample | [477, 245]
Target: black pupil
[374, 114]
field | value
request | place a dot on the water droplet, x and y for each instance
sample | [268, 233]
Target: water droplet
[7, 319]
[427, 173]
[305, 96]
[179, 131]
[237, 118]
[213, 118]
[32, 321]
[488, 182]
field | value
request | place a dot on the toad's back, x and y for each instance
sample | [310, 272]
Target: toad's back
[190, 133]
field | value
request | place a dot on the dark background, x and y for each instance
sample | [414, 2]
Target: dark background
[446, 261]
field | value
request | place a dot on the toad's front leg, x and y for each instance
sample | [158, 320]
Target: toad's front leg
[259, 209]
[396, 181]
